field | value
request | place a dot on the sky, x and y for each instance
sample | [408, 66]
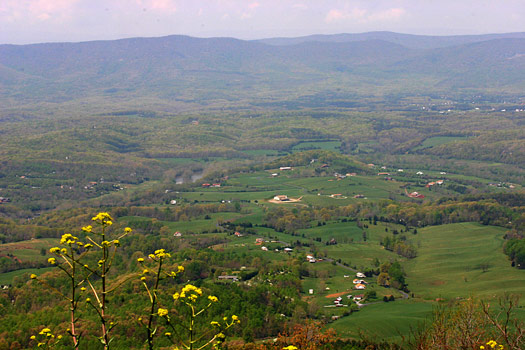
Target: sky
[35, 21]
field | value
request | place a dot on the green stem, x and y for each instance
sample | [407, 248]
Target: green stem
[153, 297]
[103, 276]
[73, 302]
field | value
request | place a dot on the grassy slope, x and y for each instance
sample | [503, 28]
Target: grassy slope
[450, 259]
[384, 321]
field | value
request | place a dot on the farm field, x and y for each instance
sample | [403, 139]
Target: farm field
[459, 260]
[384, 321]
[7, 278]
[28, 250]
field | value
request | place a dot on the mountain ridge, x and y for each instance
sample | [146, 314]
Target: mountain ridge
[177, 64]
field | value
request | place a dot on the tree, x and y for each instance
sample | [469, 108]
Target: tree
[383, 279]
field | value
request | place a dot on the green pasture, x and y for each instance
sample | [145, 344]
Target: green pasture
[384, 321]
[314, 190]
[340, 231]
[360, 255]
[459, 260]
[29, 250]
[437, 141]
[7, 277]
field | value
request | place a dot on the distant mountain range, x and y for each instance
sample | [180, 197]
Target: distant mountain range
[196, 69]
[407, 40]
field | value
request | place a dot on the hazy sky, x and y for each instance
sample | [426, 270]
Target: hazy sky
[30, 21]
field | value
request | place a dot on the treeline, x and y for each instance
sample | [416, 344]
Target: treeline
[515, 249]
[10, 231]
[497, 210]
[54, 223]
[400, 246]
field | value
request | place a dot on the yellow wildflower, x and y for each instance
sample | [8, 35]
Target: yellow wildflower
[59, 337]
[45, 330]
[32, 337]
[162, 312]
[68, 238]
[213, 298]
[190, 288]
[103, 219]
[88, 228]
[52, 261]
[127, 230]
[215, 323]
[140, 260]
[89, 245]
[161, 253]
[290, 347]
[492, 344]
[54, 250]
[176, 296]
[167, 334]
[180, 268]
[33, 276]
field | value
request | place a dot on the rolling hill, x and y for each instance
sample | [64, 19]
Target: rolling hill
[181, 67]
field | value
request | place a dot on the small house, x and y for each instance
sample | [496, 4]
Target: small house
[229, 278]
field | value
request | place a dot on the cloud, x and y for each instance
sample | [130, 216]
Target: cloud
[338, 15]
[388, 15]
[363, 15]
[14, 10]
[254, 5]
[158, 5]
[300, 6]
